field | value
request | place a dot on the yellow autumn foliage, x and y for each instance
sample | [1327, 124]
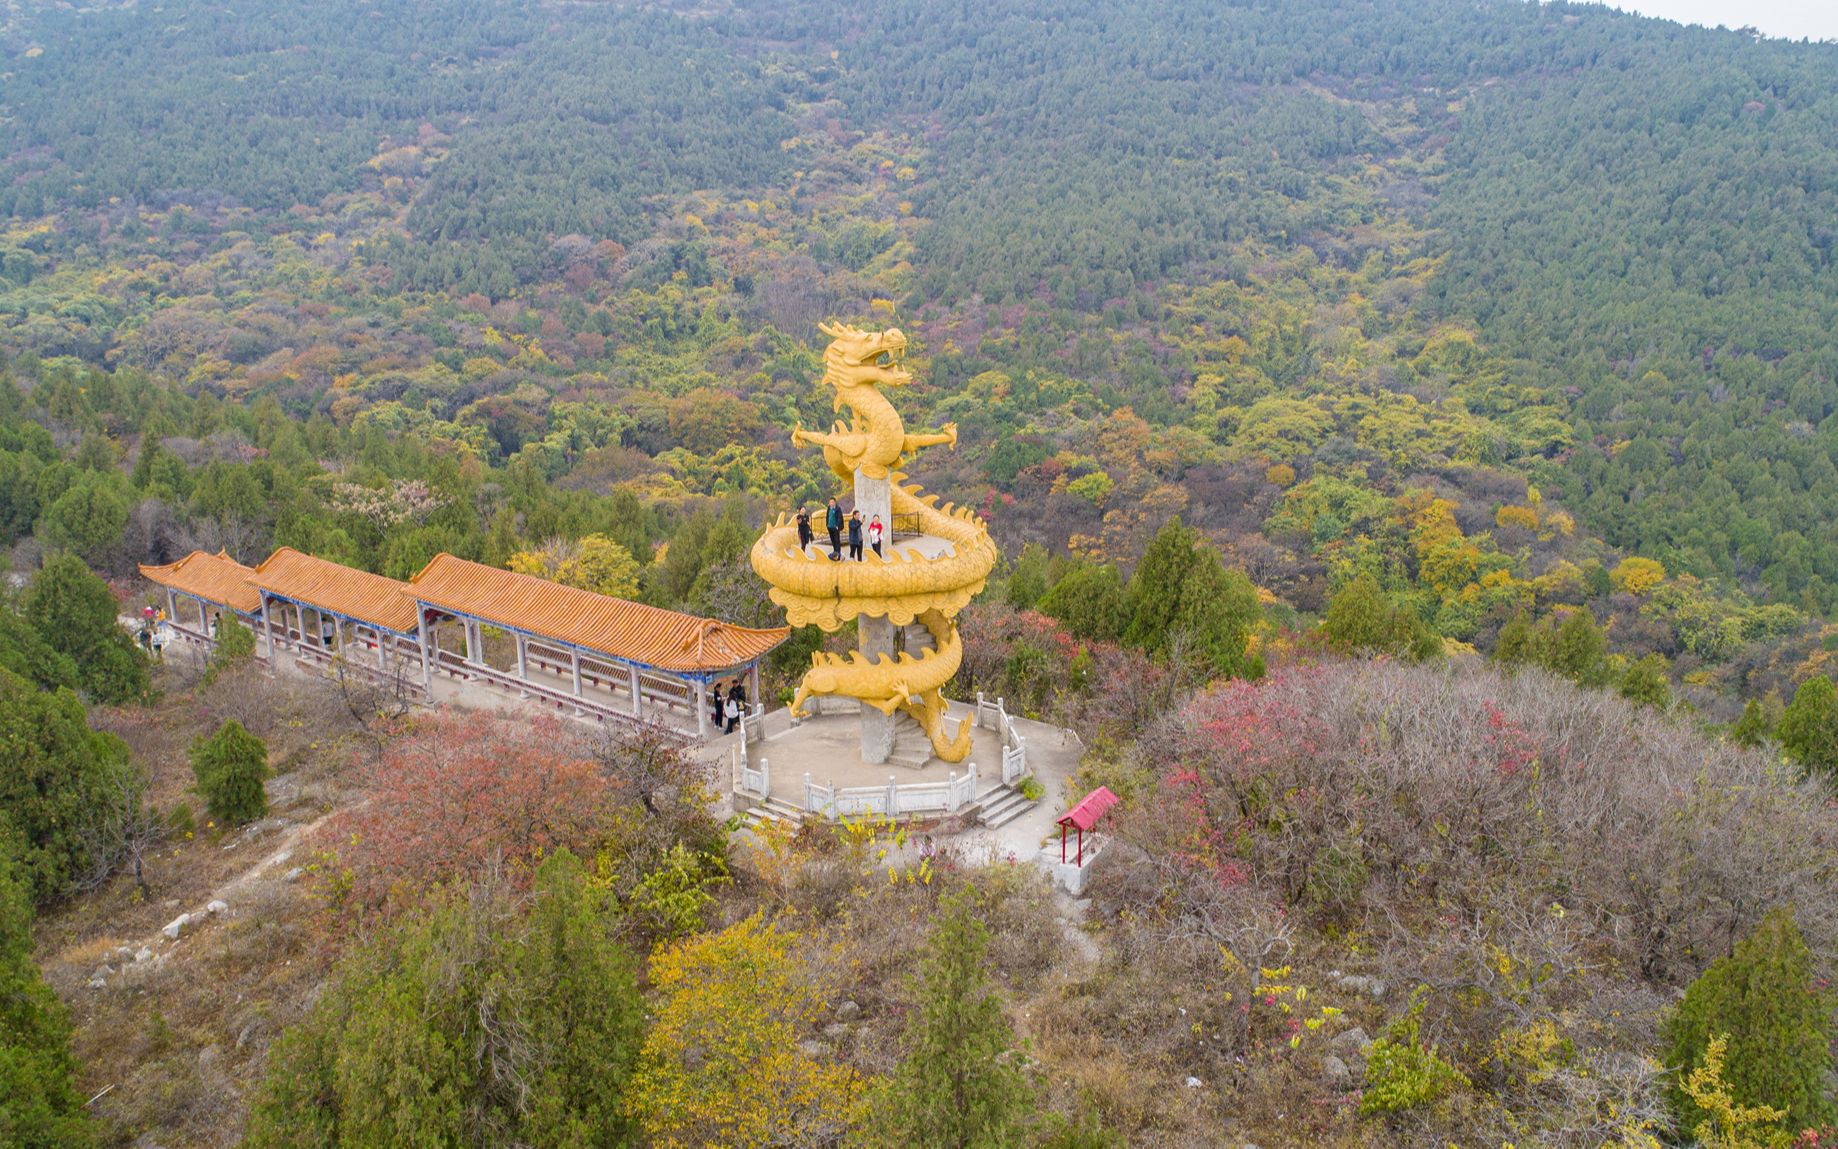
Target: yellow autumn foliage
[1636, 575]
[1516, 516]
[722, 1065]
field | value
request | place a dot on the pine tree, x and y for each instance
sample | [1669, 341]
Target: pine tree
[230, 767]
[235, 647]
[1091, 602]
[1753, 728]
[1155, 587]
[961, 1084]
[1218, 609]
[1761, 997]
[76, 615]
[1808, 729]
[58, 779]
[1517, 643]
[483, 1019]
[1357, 617]
[40, 1107]
[1579, 650]
[1361, 619]
[1027, 580]
[1645, 683]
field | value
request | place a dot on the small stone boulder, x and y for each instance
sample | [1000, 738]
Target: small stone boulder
[1194, 1083]
[1335, 1072]
[217, 907]
[143, 954]
[1354, 983]
[176, 927]
[1354, 1040]
[848, 1011]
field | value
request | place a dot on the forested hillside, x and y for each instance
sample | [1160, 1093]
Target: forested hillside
[1476, 300]
[1303, 356]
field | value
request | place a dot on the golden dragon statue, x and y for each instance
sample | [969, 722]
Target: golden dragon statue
[925, 579]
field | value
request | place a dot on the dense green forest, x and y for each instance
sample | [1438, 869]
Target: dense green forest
[1304, 356]
[1476, 300]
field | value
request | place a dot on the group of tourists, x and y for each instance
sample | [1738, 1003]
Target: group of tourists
[727, 709]
[154, 633]
[835, 522]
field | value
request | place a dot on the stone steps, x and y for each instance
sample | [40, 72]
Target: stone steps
[1001, 806]
[773, 810]
[911, 747]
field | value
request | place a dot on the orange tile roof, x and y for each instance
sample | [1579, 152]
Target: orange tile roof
[214, 578]
[633, 631]
[340, 589]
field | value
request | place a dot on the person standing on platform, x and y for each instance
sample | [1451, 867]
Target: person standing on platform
[733, 711]
[804, 528]
[833, 520]
[855, 535]
[874, 536]
[719, 714]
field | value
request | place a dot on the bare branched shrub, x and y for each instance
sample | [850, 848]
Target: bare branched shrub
[1549, 863]
[376, 700]
[1513, 802]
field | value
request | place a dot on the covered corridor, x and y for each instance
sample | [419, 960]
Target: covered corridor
[589, 654]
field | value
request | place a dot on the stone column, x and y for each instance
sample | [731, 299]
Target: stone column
[876, 634]
[875, 497]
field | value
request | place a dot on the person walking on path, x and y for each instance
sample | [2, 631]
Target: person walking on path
[833, 520]
[874, 536]
[804, 528]
[855, 535]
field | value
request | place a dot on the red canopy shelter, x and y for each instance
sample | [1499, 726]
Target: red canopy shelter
[1083, 817]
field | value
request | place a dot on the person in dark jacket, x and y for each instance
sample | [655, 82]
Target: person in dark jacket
[715, 706]
[804, 528]
[833, 520]
[855, 535]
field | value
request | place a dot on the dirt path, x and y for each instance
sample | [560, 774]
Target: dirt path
[229, 893]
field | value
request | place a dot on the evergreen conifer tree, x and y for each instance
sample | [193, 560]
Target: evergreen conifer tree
[40, 1107]
[235, 647]
[1155, 587]
[1361, 619]
[1091, 602]
[483, 1019]
[1579, 650]
[57, 781]
[961, 1084]
[230, 767]
[76, 615]
[1753, 728]
[1517, 643]
[1761, 997]
[1218, 609]
[1646, 684]
[1027, 580]
[1808, 729]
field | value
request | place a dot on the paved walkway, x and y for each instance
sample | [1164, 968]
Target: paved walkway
[828, 747]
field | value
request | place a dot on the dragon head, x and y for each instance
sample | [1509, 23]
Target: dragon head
[857, 358]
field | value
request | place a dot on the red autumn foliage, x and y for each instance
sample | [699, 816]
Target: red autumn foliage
[466, 791]
[1414, 802]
